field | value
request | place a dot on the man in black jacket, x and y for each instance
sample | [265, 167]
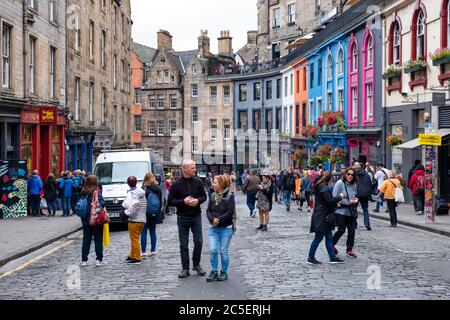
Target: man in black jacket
[364, 191]
[187, 194]
[288, 183]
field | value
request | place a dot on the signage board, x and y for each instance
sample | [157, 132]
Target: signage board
[438, 99]
[430, 139]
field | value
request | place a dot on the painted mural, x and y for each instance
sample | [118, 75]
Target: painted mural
[13, 189]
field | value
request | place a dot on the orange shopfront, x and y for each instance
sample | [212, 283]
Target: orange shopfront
[42, 132]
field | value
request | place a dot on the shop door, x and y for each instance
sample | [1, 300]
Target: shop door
[44, 153]
[444, 169]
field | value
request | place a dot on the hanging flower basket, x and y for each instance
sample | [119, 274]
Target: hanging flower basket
[324, 152]
[394, 140]
[338, 156]
[320, 122]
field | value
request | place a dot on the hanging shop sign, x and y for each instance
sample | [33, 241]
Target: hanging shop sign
[48, 115]
[430, 139]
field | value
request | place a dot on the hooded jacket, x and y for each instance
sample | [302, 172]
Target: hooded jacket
[34, 185]
[364, 184]
[413, 182]
[325, 205]
[138, 194]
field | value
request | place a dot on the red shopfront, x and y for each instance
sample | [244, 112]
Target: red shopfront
[42, 133]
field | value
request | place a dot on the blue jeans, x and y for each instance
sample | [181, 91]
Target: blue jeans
[219, 239]
[328, 243]
[88, 233]
[66, 204]
[195, 225]
[51, 206]
[152, 228]
[251, 201]
[365, 206]
[287, 197]
[420, 201]
[380, 203]
[58, 203]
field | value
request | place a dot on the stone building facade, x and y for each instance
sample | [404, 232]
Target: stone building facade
[98, 78]
[32, 92]
[208, 110]
[162, 100]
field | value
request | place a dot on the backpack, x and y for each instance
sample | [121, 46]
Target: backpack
[82, 208]
[420, 183]
[290, 181]
[153, 205]
[234, 219]
[76, 186]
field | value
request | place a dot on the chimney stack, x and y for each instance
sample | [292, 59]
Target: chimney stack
[204, 44]
[164, 40]
[251, 37]
[225, 43]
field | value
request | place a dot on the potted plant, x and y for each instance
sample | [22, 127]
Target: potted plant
[392, 71]
[415, 65]
[394, 140]
[440, 56]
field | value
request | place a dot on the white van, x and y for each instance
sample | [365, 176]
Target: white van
[113, 169]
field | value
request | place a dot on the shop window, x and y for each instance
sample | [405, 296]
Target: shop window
[27, 146]
[56, 149]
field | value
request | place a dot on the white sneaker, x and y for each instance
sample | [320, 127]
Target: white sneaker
[146, 254]
[153, 254]
[99, 263]
[84, 263]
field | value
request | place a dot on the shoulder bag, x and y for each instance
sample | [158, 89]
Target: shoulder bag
[399, 196]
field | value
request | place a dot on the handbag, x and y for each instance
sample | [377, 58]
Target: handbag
[98, 216]
[399, 196]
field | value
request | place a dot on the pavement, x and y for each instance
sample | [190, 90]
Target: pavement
[393, 263]
[19, 237]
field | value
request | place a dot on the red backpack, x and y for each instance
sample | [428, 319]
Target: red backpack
[420, 183]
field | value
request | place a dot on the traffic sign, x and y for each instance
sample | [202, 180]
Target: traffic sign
[430, 139]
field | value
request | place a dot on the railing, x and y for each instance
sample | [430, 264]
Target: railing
[249, 67]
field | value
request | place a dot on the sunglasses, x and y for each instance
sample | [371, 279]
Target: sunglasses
[350, 174]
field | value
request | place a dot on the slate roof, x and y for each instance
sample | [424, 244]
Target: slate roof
[144, 53]
[247, 52]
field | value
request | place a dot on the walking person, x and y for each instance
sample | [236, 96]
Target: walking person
[94, 198]
[151, 187]
[305, 191]
[380, 176]
[233, 180]
[51, 194]
[250, 188]
[209, 183]
[221, 208]
[346, 212]
[264, 202]
[135, 205]
[279, 185]
[288, 182]
[66, 187]
[187, 194]
[388, 191]
[35, 188]
[417, 186]
[323, 220]
[364, 194]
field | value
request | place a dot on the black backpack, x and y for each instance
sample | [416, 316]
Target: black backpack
[290, 181]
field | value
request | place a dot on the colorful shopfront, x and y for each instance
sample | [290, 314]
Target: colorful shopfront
[42, 132]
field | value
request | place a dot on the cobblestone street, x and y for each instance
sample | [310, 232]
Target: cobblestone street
[413, 264]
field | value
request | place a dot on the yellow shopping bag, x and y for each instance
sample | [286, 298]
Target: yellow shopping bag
[106, 240]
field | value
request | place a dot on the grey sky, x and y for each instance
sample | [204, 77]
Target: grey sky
[185, 18]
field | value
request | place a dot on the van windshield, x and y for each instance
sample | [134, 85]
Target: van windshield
[118, 172]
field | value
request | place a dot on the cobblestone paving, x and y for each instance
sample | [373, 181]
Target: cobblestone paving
[268, 265]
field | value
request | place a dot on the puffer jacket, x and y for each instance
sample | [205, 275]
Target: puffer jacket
[138, 194]
[34, 185]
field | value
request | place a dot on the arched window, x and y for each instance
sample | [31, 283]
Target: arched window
[396, 44]
[354, 58]
[420, 44]
[341, 61]
[329, 67]
[369, 51]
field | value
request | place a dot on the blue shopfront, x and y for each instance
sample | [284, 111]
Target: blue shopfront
[79, 146]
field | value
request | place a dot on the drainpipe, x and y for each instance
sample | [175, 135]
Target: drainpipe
[24, 49]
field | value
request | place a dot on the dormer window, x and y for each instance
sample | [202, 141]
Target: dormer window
[162, 58]
[194, 69]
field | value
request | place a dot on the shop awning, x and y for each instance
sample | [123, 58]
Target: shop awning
[415, 143]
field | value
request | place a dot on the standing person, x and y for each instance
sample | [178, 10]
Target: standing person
[220, 211]
[187, 194]
[209, 183]
[233, 179]
[364, 186]
[380, 176]
[388, 190]
[76, 188]
[305, 191]
[288, 182]
[51, 194]
[279, 185]
[250, 187]
[322, 222]
[346, 212]
[94, 198]
[167, 186]
[135, 205]
[35, 188]
[264, 202]
[151, 185]
[417, 185]
[410, 174]
[66, 186]
[60, 182]
[239, 181]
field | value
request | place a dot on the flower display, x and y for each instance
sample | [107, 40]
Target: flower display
[439, 54]
[392, 71]
[320, 122]
[415, 65]
[314, 160]
[332, 122]
[324, 152]
[394, 140]
[313, 132]
[338, 156]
